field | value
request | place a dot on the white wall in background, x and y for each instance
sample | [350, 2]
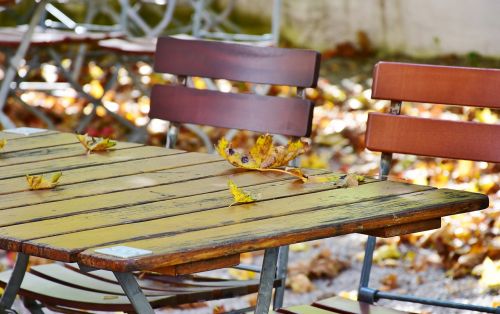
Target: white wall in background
[415, 27]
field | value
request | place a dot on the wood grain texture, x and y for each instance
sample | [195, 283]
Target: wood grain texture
[238, 62]
[98, 294]
[436, 84]
[392, 231]
[435, 138]
[200, 266]
[162, 205]
[342, 305]
[31, 142]
[305, 309]
[146, 162]
[182, 218]
[186, 184]
[12, 136]
[49, 153]
[266, 114]
[82, 161]
[125, 183]
[317, 221]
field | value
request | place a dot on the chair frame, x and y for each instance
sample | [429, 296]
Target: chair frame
[370, 295]
[274, 268]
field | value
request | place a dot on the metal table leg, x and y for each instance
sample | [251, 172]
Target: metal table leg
[15, 281]
[281, 273]
[134, 293]
[267, 281]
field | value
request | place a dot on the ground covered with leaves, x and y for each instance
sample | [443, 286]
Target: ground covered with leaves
[459, 261]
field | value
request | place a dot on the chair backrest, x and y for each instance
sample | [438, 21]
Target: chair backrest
[237, 62]
[398, 82]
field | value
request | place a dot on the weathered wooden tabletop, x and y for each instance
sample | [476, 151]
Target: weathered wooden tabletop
[175, 204]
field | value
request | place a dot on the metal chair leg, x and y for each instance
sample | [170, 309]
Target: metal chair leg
[267, 280]
[134, 293]
[366, 294]
[15, 281]
[281, 273]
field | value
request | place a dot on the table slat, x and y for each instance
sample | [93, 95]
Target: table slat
[322, 221]
[204, 220]
[13, 136]
[31, 142]
[49, 153]
[147, 163]
[183, 187]
[84, 160]
[155, 210]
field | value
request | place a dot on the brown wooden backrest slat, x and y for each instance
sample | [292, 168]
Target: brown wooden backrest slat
[237, 62]
[436, 84]
[287, 116]
[435, 138]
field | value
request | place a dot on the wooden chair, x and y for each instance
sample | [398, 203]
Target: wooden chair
[393, 133]
[67, 288]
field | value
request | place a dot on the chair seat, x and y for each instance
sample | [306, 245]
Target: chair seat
[58, 285]
[338, 305]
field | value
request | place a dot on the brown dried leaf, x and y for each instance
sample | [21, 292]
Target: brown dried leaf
[299, 283]
[389, 282]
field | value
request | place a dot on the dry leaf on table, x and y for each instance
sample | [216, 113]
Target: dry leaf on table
[3, 142]
[239, 195]
[93, 144]
[264, 155]
[40, 183]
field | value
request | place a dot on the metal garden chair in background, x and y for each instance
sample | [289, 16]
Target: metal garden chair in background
[66, 288]
[394, 133]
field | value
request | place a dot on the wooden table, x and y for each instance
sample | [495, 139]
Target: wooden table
[176, 204]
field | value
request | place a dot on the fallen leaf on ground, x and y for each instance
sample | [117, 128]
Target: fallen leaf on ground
[489, 271]
[298, 247]
[389, 282]
[40, 183]
[264, 156]
[219, 309]
[94, 144]
[3, 142]
[324, 265]
[300, 283]
[351, 295]
[386, 251]
[241, 274]
[239, 195]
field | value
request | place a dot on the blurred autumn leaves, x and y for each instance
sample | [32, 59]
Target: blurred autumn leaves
[466, 244]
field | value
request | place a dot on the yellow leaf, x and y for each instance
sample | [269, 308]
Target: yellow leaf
[386, 251]
[40, 183]
[490, 274]
[239, 195]
[93, 144]
[262, 148]
[241, 274]
[221, 147]
[3, 142]
[264, 156]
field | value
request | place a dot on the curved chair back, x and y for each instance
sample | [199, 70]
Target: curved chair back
[237, 62]
[432, 137]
